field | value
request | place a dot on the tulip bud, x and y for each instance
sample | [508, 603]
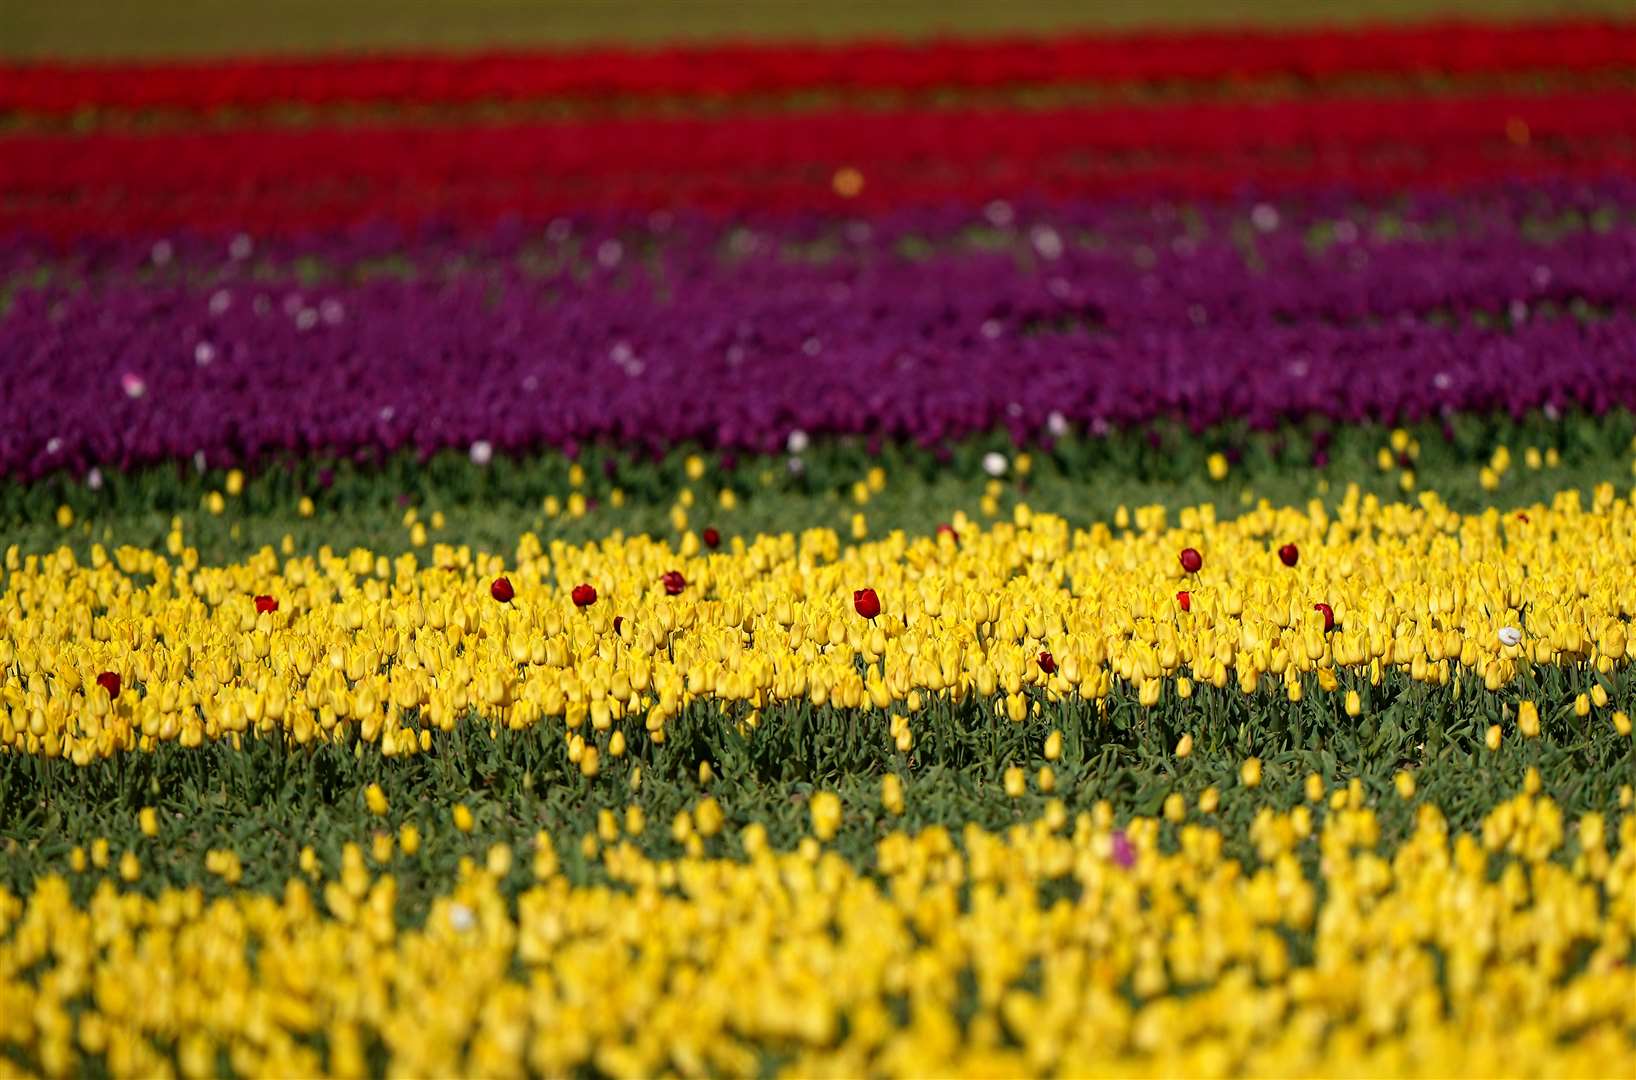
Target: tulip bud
[1528, 720]
[826, 815]
[1328, 613]
[1016, 782]
[891, 794]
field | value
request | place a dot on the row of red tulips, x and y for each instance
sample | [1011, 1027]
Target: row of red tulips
[259, 179]
[728, 72]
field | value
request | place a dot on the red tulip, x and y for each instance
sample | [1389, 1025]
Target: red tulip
[1184, 600]
[265, 604]
[867, 603]
[1192, 561]
[1522, 517]
[712, 539]
[1048, 663]
[674, 582]
[109, 681]
[1290, 554]
[1329, 616]
[501, 590]
[619, 620]
[584, 595]
[946, 529]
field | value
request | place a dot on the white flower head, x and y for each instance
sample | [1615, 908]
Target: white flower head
[798, 442]
[1047, 241]
[995, 463]
[461, 917]
[1510, 635]
[93, 479]
[1056, 424]
[133, 384]
[482, 452]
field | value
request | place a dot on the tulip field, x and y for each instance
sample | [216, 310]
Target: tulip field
[916, 545]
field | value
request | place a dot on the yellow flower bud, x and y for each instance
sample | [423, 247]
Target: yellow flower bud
[891, 794]
[1184, 745]
[707, 817]
[375, 800]
[1528, 720]
[1053, 746]
[1016, 782]
[826, 815]
[1249, 773]
[148, 820]
[463, 818]
[1531, 781]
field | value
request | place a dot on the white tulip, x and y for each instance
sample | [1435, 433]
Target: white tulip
[1510, 635]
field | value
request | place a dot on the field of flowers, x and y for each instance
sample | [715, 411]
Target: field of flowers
[1074, 553]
